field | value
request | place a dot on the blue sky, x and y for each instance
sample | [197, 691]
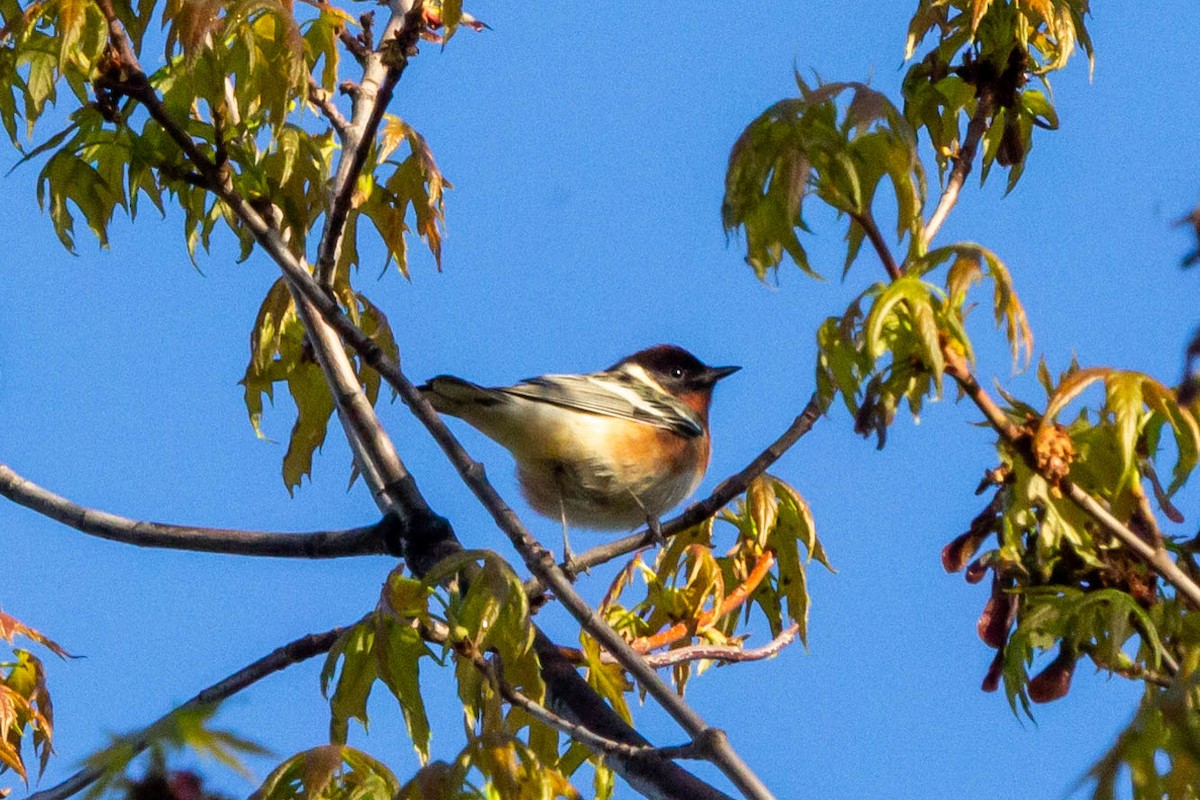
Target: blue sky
[588, 149]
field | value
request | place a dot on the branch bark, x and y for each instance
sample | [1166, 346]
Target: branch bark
[382, 68]
[867, 223]
[963, 162]
[292, 653]
[317, 544]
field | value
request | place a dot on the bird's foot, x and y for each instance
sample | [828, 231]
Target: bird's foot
[655, 530]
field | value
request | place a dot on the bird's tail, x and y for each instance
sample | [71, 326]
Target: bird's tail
[456, 397]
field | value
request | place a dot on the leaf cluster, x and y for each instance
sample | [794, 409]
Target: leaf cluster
[281, 353]
[983, 55]
[25, 707]
[812, 145]
[483, 626]
[1058, 579]
[892, 343]
[692, 595]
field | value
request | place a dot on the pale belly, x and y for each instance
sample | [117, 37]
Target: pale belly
[602, 496]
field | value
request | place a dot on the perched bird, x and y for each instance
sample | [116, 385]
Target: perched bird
[608, 451]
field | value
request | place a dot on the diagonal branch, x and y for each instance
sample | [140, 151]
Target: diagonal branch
[294, 652]
[320, 98]
[318, 544]
[598, 744]
[867, 223]
[963, 161]
[382, 68]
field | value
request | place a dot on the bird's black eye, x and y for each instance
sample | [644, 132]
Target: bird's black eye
[677, 372]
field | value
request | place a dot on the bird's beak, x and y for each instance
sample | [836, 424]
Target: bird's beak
[714, 374]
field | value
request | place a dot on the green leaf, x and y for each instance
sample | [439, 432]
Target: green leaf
[357, 673]
[608, 680]
[799, 145]
[905, 308]
[398, 650]
[328, 771]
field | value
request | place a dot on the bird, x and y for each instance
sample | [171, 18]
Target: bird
[608, 450]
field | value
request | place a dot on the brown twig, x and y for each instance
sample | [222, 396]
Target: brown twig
[294, 652]
[724, 653]
[590, 739]
[382, 68]
[321, 99]
[867, 223]
[963, 161]
[732, 601]
[317, 544]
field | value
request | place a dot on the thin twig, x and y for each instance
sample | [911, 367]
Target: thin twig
[321, 99]
[317, 544]
[867, 223]
[724, 653]
[382, 68]
[732, 601]
[301, 649]
[580, 733]
[963, 161]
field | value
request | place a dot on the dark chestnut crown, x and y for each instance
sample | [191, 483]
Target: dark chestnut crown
[676, 368]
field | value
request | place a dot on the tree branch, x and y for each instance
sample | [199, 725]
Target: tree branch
[317, 544]
[320, 98]
[382, 68]
[963, 161]
[867, 223]
[1156, 558]
[292, 653]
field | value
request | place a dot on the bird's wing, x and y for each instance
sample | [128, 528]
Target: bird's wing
[611, 394]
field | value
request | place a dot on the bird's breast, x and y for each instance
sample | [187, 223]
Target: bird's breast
[610, 474]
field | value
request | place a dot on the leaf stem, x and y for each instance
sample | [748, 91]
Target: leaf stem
[867, 222]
